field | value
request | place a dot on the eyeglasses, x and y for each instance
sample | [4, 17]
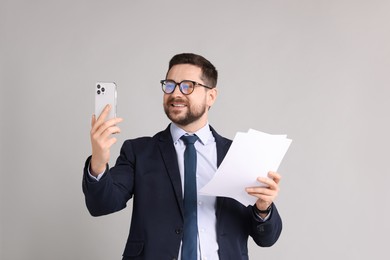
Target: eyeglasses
[186, 86]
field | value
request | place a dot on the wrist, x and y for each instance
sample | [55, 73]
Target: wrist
[261, 211]
[95, 169]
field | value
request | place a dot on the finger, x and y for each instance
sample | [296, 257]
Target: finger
[104, 114]
[263, 193]
[111, 141]
[93, 120]
[109, 131]
[114, 121]
[94, 125]
[101, 119]
[104, 126]
[260, 191]
[267, 182]
[275, 176]
[264, 197]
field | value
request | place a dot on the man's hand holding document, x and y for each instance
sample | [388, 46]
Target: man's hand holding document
[251, 155]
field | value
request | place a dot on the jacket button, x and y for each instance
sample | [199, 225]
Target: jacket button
[178, 231]
[260, 228]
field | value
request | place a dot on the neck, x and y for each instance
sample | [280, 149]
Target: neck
[193, 127]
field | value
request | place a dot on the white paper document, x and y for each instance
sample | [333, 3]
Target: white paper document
[251, 155]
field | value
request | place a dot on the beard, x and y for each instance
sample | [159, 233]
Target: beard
[192, 114]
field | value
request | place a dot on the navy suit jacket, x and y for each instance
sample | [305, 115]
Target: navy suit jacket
[147, 171]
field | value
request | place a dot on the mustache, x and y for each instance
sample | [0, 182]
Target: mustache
[173, 99]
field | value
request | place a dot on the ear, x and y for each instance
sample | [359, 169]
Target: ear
[211, 96]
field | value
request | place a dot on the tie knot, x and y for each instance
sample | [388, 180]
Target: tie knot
[189, 139]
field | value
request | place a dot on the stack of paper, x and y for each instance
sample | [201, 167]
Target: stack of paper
[251, 155]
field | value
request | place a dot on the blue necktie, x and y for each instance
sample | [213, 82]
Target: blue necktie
[190, 233]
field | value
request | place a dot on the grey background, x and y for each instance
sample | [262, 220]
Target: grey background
[317, 71]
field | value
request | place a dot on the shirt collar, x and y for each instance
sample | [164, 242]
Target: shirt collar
[204, 133]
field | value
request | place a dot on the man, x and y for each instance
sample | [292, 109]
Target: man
[154, 172]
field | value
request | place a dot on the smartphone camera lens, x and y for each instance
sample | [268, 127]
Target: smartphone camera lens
[103, 90]
[98, 86]
[98, 92]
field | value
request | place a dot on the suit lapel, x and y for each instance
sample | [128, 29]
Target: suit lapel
[223, 146]
[168, 153]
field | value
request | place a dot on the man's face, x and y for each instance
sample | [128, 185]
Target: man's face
[188, 111]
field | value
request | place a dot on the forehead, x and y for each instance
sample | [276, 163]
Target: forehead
[185, 71]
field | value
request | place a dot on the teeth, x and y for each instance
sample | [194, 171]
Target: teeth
[178, 105]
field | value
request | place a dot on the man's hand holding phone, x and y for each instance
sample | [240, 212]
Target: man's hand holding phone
[102, 140]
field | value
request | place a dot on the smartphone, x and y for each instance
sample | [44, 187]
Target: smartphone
[105, 93]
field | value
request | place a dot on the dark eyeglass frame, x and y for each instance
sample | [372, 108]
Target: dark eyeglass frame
[165, 81]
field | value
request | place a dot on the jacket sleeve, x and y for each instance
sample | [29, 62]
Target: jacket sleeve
[114, 189]
[266, 233]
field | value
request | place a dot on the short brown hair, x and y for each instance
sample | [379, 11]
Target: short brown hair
[209, 72]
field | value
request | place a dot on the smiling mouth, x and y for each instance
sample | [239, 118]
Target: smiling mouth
[178, 105]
